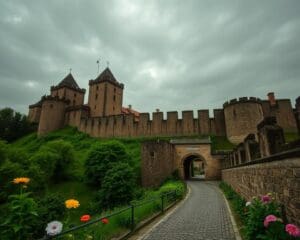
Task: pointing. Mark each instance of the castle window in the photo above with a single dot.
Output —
(114, 97)
(234, 113)
(97, 87)
(114, 90)
(74, 94)
(95, 107)
(73, 102)
(113, 108)
(96, 97)
(152, 154)
(51, 105)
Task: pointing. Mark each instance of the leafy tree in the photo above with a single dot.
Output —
(101, 158)
(3, 151)
(14, 125)
(118, 186)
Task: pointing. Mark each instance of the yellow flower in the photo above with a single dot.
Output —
(72, 203)
(22, 180)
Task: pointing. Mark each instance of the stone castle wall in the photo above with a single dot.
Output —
(52, 115)
(126, 126)
(157, 162)
(279, 174)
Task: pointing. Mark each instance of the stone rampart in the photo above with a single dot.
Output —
(279, 173)
(126, 126)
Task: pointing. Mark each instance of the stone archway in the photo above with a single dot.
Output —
(161, 159)
(193, 165)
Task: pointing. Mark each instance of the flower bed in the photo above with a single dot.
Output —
(260, 218)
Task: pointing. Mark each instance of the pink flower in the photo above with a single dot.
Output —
(293, 230)
(268, 219)
(265, 199)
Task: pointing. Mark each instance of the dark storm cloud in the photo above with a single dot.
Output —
(171, 55)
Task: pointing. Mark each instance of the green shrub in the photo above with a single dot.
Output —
(65, 159)
(8, 171)
(3, 151)
(118, 186)
(46, 161)
(101, 158)
(51, 207)
(256, 214)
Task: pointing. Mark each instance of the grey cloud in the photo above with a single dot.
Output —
(172, 54)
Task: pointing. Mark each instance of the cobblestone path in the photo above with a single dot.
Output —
(203, 215)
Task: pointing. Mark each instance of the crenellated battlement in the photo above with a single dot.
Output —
(126, 125)
(241, 100)
(54, 98)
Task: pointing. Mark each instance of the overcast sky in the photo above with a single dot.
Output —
(170, 54)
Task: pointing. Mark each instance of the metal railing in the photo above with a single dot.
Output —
(163, 202)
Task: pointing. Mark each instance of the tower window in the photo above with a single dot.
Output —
(234, 113)
(114, 97)
(114, 90)
(96, 96)
(74, 94)
(97, 87)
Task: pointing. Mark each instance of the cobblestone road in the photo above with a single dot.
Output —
(203, 215)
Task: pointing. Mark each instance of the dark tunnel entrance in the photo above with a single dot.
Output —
(194, 167)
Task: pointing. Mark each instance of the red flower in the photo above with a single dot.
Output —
(85, 218)
(104, 220)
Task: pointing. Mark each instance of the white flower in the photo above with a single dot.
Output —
(53, 228)
(248, 204)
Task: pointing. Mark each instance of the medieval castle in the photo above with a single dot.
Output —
(104, 116)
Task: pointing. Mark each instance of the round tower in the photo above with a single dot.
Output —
(242, 117)
(52, 114)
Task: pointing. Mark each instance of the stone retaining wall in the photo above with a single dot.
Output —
(279, 176)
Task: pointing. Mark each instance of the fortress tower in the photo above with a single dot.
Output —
(105, 95)
(242, 117)
(68, 89)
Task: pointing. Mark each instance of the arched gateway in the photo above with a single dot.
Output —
(186, 157)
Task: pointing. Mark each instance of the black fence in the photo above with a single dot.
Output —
(129, 217)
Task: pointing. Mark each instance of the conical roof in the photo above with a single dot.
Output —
(106, 75)
(69, 81)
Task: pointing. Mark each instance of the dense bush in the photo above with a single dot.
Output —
(9, 170)
(3, 151)
(14, 125)
(261, 217)
(50, 208)
(118, 186)
(101, 158)
(257, 212)
(46, 160)
(62, 155)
